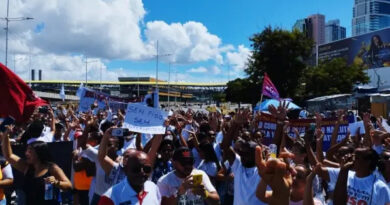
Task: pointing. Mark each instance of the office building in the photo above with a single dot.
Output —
(333, 31)
(370, 15)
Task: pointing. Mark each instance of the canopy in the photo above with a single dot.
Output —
(266, 103)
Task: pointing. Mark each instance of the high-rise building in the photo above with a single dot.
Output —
(333, 31)
(313, 26)
(370, 15)
(300, 25)
(318, 22)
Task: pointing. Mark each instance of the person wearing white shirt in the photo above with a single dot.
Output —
(360, 186)
(384, 167)
(243, 167)
(177, 187)
(135, 188)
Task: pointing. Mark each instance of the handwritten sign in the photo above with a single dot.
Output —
(144, 119)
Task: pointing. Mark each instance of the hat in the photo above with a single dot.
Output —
(182, 154)
(114, 117)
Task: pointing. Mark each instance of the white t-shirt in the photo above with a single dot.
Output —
(209, 167)
(380, 177)
(333, 175)
(170, 183)
(367, 190)
(245, 183)
(123, 193)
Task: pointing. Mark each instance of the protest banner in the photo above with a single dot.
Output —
(144, 119)
(267, 125)
(88, 97)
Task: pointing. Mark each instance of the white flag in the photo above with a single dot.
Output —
(80, 90)
(62, 93)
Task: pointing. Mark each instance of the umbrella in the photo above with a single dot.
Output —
(266, 103)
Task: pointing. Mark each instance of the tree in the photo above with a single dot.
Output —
(333, 77)
(283, 55)
(242, 90)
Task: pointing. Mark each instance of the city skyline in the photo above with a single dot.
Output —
(204, 41)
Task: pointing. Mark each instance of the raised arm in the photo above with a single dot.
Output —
(335, 132)
(13, 159)
(262, 193)
(106, 162)
(308, 195)
(156, 141)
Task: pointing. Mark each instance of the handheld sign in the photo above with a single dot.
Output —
(144, 119)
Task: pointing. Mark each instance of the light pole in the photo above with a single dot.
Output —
(86, 69)
(157, 55)
(7, 20)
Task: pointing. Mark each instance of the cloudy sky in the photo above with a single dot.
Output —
(199, 40)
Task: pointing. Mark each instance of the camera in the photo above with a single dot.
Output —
(120, 132)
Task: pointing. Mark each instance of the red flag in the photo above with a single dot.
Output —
(16, 98)
(269, 88)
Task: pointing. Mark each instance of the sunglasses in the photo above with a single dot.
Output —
(188, 162)
(145, 168)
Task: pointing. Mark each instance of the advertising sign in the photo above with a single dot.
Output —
(372, 50)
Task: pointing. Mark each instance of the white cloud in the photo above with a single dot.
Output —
(105, 30)
(238, 59)
(198, 70)
(215, 69)
(64, 68)
(189, 42)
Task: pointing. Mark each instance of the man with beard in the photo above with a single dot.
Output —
(135, 189)
(177, 187)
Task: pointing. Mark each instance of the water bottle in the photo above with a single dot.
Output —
(273, 150)
(48, 191)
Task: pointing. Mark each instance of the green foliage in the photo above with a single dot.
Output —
(283, 55)
(242, 90)
(333, 77)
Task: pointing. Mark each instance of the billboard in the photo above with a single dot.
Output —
(372, 50)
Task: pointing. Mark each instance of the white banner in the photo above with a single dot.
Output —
(144, 119)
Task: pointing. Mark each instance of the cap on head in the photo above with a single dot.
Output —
(182, 154)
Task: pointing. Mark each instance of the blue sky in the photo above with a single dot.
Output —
(235, 21)
(208, 39)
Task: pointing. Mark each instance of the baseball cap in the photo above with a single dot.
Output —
(183, 155)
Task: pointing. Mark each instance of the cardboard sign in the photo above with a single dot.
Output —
(267, 125)
(353, 127)
(144, 119)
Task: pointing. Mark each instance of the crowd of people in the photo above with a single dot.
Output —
(203, 158)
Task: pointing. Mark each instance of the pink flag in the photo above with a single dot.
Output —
(269, 88)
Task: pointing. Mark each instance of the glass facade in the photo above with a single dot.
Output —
(370, 15)
(333, 31)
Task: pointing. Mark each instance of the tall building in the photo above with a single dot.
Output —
(313, 26)
(370, 15)
(318, 22)
(333, 31)
(300, 25)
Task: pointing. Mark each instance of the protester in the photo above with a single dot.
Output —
(135, 189)
(178, 186)
(38, 170)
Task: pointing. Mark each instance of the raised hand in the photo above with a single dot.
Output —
(277, 173)
(280, 113)
(318, 120)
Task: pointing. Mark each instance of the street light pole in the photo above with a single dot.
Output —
(7, 20)
(6, 34)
